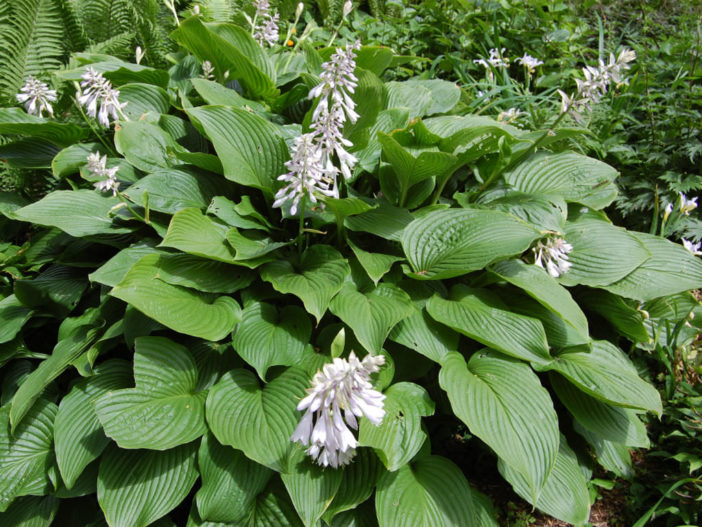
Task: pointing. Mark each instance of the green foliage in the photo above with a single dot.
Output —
(169, 331)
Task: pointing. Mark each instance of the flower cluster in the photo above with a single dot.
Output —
(596, 83)
(97, 90)
(98, 168)
(312, 168)
(553, 256)
(207, 71)
(266, 25)
(37, 97)
(529, 62)
(340, 393)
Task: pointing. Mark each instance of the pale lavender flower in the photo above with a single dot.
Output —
(340, 393)
(694, 248)
(98, 167)
(553, 256)
(338, 82)
(307, 174)
(98, 91)
(266, 28)
(687, 205)
(37, 97)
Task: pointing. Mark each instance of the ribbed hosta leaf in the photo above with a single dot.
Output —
(137, 487)
(78, 434)
(565, 495)
(113, 271)
(170, 190)
(479, 315)
(671, 269)
(431, 491)
(14, 121)
(310, 487)
(315, 281)
(230, 482)
(181, 309)
(195, 233)
(372, 315)
(142, 98)
(13, 315)
(398, 438)
(30, 511)
(614, 457)
(254, 247)
(229, 48)
(538, 284)
(619, 312)
(386, 221)
(267, 337)
(163, 410)
(357, 483)
(419, 331)
(612, 423)
(204, 275)
(117, 71)
(257, 420)
(26, 455)
(77, 212)
(503, 403)
(575, 177)
(146, 146)
(608, 375)
(252, 150)
(375, 264)
(447, 243)
(602, 253)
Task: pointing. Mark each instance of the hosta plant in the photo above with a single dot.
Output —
(257, 298)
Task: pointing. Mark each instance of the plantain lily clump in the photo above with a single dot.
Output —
(269, 285)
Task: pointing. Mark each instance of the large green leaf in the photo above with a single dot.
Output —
(252, 150)
(207, 276)
(545, 212)
(77, 432)
(56, 290)
(31, 511)
(232, 49)
(419, 331)
(257, 420)
(315, 281)
(64, 353)
(146, 146)
(115, 70)
(142, 98)
(372, 315)
(614, 457)
(14, 121)
(607, 374)
(429, 492)
(503, 403)
(447, 243)
(179, 308)
(538, 284)
(612, 423)
(565, 495)
(26, 455)
(479, 314)
(671, 269)
(357, 484)
(399, 436)
(387, 121)
(310, 487)
(602, 253)
(13, 315)
(375, 264)
(77, 212)
(621, 313)
(253, 246)
(385, 220)
(576, 177)
(195, 233)
(230, 482)
(137, 487)
(163, 410)
(170, 190)
(113, 271)
(267, 337)
(215, 94)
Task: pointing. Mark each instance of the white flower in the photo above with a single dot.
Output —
(687, 205)
(266, 28)
(338, 82)
(553, 256)
(509, 116)
(98, 167)
(348, 7)
(207, 70)
(340, 393)
(97, 90)
(694, 248)
(37, 97)
(668, 211)
(529, 62)
(139, 54)
(307, 174)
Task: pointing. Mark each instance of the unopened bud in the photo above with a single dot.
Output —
(299, 10)
(196, 9)
(348, 7)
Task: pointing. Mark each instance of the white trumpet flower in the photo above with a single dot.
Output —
(98, 167)
(98, 91)
(553, 256)
(37, 97)
(340, 393)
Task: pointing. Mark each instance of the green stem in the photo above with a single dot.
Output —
(301, 230)
(96, 132)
